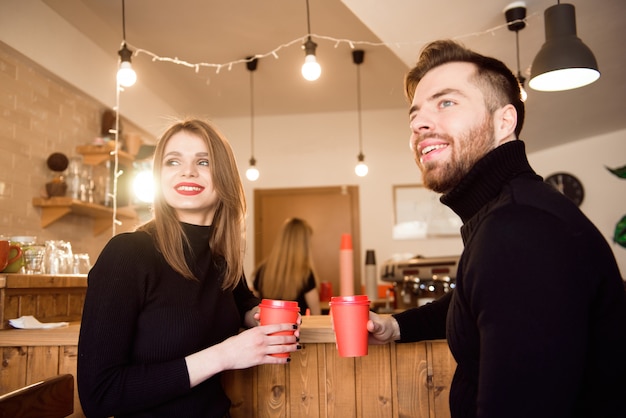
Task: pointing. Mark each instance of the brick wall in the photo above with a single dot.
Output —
(41, 114)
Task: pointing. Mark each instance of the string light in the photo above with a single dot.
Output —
(352, 44)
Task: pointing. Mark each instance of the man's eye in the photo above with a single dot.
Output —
(446, 103)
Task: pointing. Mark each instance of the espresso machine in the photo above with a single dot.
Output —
(420, 280)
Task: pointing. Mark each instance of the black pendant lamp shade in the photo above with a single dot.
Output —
(564, 62)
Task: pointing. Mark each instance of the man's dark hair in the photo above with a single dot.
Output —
(494, 78)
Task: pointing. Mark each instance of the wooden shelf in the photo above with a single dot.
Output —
(55, 208)
(98, 154)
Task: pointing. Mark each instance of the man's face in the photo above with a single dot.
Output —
(451, 128)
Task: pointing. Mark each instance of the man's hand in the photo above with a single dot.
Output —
(383, 329)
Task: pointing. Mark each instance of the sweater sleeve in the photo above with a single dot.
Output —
(427, 322)
(110, 382)
(244, 298)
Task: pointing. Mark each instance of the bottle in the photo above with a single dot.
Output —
(371, 282)
(346, 266)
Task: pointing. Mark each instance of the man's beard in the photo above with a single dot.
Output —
(442, 177)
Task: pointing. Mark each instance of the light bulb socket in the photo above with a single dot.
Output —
(252, 161)
(357, 56)
(251, 63)
(309, 47)
(125, 53)
(361, 157)
(515, 13)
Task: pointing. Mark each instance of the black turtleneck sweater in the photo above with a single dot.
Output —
(537, 322)
(141, 319)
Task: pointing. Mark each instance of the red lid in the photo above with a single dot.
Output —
(346, 242)
(283, 304)
(357, 299)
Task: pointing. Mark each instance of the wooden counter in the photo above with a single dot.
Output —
(394, 380)
(49, 298)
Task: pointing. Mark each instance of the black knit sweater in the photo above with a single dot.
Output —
(537, 322)
(141, 319)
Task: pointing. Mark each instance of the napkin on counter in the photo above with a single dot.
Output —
(30, 322)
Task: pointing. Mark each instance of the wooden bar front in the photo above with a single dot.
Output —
(394, 380)
(49, 298)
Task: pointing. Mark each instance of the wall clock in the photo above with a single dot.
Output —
(569, 185)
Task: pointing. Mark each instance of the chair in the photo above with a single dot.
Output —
(50, 398)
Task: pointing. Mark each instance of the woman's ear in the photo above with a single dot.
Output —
(504, 123)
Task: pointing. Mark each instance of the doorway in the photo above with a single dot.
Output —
(331, 211)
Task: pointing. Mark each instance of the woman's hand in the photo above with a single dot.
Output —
(251, 347)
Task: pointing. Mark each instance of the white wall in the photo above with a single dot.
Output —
(605, 194)
(312, 149)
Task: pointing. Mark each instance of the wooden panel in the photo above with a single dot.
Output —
(340, 391)
(412, 377)
(13, 371)
(241, 392)
(45, 304)
(304, 375)
(272, 390)
(43, 362)
(374, 383)
(68, 358)
(443, 367)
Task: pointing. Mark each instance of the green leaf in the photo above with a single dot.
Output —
(620, 232)
(619, 172)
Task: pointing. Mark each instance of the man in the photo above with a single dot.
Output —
(537, 322)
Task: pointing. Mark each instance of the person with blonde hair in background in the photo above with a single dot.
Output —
(288, 272)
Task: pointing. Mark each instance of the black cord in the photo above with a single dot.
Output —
(358, 102)
(123, 21)
(308, 18)
(251, 115)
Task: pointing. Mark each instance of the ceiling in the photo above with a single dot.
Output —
(217, 36)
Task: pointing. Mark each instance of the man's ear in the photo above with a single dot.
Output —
(504, 123)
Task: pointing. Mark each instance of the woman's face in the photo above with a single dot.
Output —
(186, 181)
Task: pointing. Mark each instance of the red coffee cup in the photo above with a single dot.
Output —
(279, 312)
(350, 315)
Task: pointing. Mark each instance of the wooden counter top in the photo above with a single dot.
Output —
(21, 281)
(314, 329)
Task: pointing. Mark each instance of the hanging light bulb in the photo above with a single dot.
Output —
(515, 13)
(126, 76)
(564, 62)
(361, 168)
(252, 173)
(311, 69)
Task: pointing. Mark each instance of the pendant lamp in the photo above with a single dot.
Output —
(564, 62)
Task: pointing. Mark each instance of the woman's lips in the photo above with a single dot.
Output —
(188, 189)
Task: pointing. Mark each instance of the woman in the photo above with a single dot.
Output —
(288, 272)
(165, 303)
